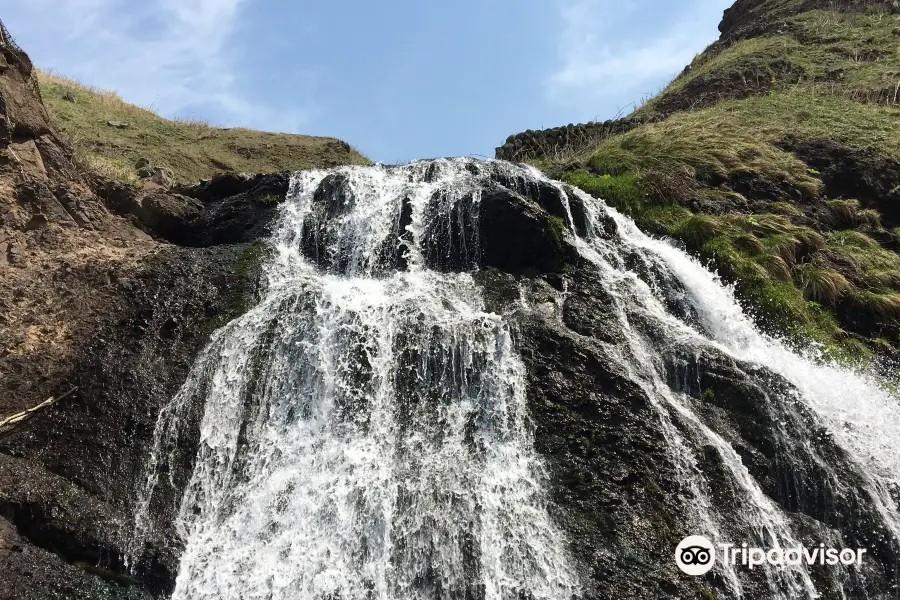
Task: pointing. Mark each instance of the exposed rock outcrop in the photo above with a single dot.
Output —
(568, 138)
(752, 18)
(95, 298)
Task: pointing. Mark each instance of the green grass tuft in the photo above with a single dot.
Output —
(822, 284)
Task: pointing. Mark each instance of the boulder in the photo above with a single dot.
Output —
(163, 178)
(517, 235)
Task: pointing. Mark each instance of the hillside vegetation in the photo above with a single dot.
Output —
(190, 149)
(776, 157)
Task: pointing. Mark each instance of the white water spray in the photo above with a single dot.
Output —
(366, 436)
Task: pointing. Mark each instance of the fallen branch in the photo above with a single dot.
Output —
(25, 414)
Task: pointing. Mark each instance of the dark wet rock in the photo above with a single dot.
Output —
(504, 229)
(235, 220)
(452, 238)
(608, 464)
(231, 184)
(797, 463)
(872, 179)
(518, 236)
(617, 489)
(500, 290)
(168, 215)
(53, 515)
(333, 197)
(546, 194)
(236, 209)
(393, 254)
(94, 443)
(232, 209)
(588, 308)
(581, 219)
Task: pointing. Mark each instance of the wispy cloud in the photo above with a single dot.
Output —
(176, 56)
(609, 48)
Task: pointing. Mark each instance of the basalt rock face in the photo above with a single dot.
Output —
(69, 476)
(98, 308)
(622, 496)
(71, 470)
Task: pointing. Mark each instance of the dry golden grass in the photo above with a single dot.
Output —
(188, 146)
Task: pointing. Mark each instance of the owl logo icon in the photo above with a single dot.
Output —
(695, 555)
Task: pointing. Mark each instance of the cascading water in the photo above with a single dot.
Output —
(365, 432)
(365, 429)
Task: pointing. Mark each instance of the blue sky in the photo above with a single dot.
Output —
(398, 79)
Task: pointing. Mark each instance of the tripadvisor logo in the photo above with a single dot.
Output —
(696, 555)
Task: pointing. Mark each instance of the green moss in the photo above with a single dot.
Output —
(733, 264)
(707, 594)
(556, 228)
(779, 305)
(270, 199)
(239, 292)
(248, 263)
(664, 219)
(623, 191)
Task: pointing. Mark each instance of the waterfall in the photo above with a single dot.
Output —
(365, 430)
(365, 433)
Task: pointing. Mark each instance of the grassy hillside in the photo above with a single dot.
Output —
(850, 54)
(777, 158)
(191, 150)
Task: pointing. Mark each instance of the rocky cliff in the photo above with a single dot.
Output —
(107, 291)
